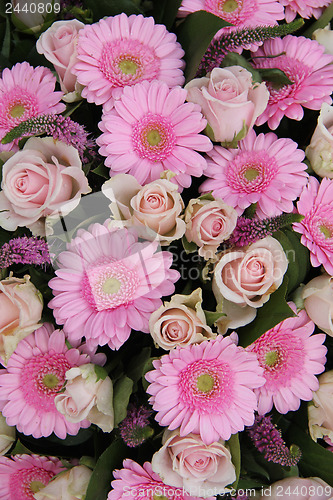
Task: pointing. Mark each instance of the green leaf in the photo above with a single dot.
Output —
(165, 11)
(212, 317)
(276, 76)
(20, 449)
(121, 394)
(5, 51)
(269, 315)
(316, 461)
(104, 8)
(189, 246)
(207, 196)
(234, 59)
(195, 34)
(100, 481)
(136, 367)
(101, 373)
(102, 171)
(234, 447)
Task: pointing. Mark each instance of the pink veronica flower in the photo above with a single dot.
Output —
(26, 92)
(305, 64)
(316, 204)
(34, 375)
(143, 483)
(305, 8)
(240, 13)
(263, 170)
(291, 357)
(120, 51)
(23, 475)
(108, 283)
(151, 130)
(206, 389)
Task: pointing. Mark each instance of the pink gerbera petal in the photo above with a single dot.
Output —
(144, 134)
(26, 92)
(290, 357)
(307, 67)
(23, 475)
(305, 8)
(117, 274)
(34, 375)
(263, 170)
(208, 382)
(316, 204)
(120, 51)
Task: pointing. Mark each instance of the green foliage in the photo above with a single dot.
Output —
(234, 59)
(189, 246)
(212, 317)
(276, 76)
(234, 447)
(165, 11)
(121, 394)
(104, 8)
(101, 373)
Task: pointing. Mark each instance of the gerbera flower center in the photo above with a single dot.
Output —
(126, 62)
(153, 137)
(25, 482)
(17, 111)
(50, 380)
(319, 224)
(271, 358)
(234, 11)
(16, 106)
(35, 486)
(109, 285)
(229, 5)
(128, 66)
(326, 231)
(251, 171)
(206, 384)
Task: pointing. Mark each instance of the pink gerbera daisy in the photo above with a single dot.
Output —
(316, 204)
(290, 357)
(108, 283)
(152, 129)
(305, 8)
(21, 476)
(206, 389)
(26, 92)
(143, 483)
(305, 64)
(263, 170)
(240, 13)
(120, 51)
(34, 375)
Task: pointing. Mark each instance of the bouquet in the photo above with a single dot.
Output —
(166, 249)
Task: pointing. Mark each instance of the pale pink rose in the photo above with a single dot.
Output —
(244, 279)
(208, 223)
(180, 322)
(324, 36)
(320, 149)
(32, 14)
(87, 398)
(318, 302)
(43, 178)
(186, 462)
(71, 484)
(21, 306)
(293, 488)
(153, 209)
(229, 100)
(58, 45)
(320, 410)
(7, 435)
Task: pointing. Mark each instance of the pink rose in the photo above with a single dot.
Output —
(21, 306)
(208, 223)
(39, 180)
(229, 100)
(71, 484)
(318, 302)
(186, 462)
(87, 398)
(320, 149)
(245, 277)
(153, 209)
(180, 322)
(320, 410)
(293, 488)
(58, 45)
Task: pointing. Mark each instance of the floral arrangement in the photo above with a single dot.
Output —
(166, 249)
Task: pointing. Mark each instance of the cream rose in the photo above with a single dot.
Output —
(320, 410)
(318, 302)
(87, 398)
(208, 223)
(325, 37)
(293, 488)
(320, 149)
(180, 322)
(43, 178)
(244, 278)
(229, 100)
(68, 485)
(21, 306)
(153, 209)
(7, 435)
(58, 45)
(186, 462)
